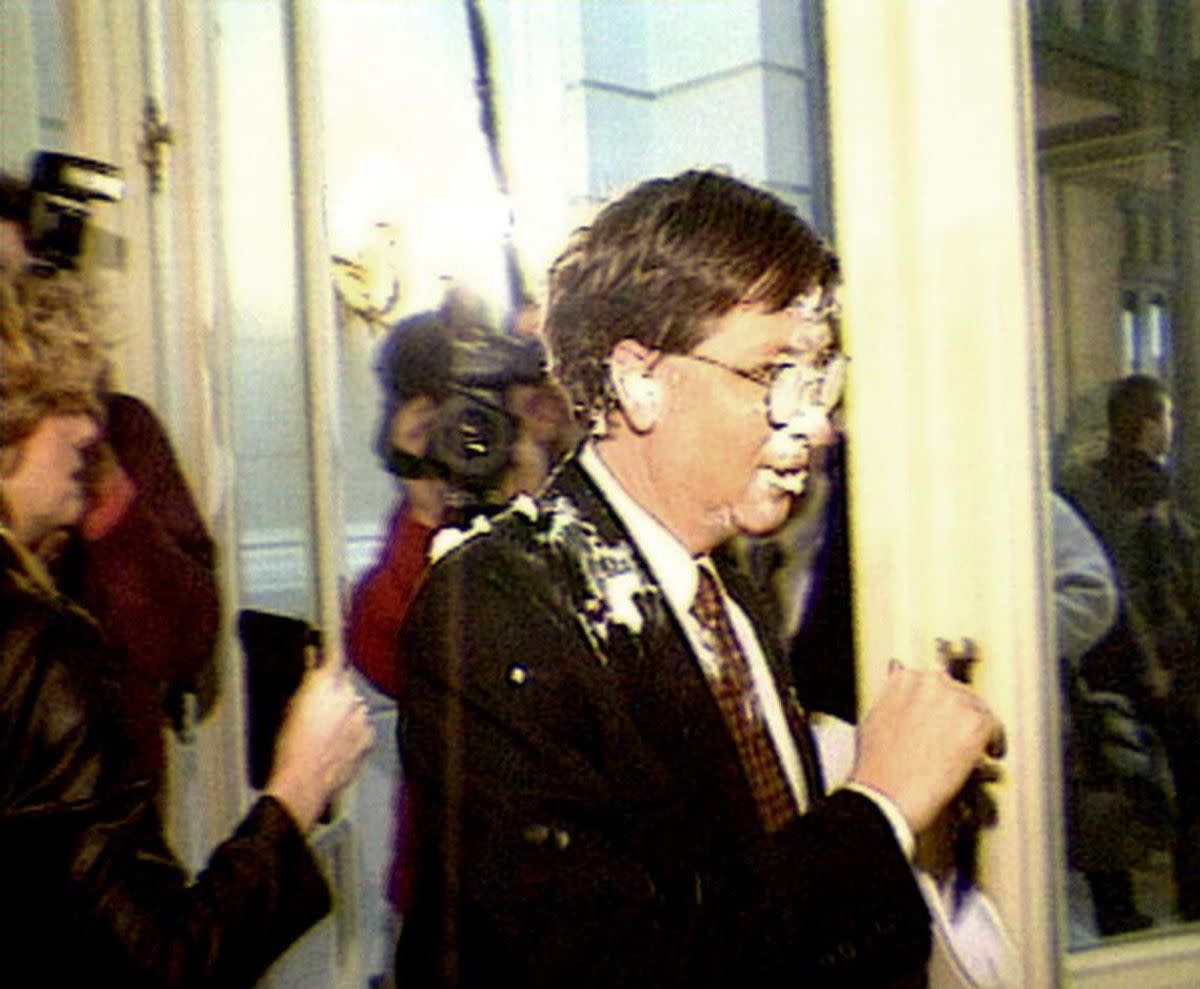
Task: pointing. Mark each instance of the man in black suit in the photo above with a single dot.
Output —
(614, 782)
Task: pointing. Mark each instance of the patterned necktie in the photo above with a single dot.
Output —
(733, 688)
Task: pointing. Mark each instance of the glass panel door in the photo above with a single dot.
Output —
(268, 388)
(1117, 152)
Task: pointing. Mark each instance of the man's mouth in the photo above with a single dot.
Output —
(790, 481)
(788, 474)
(786, 465)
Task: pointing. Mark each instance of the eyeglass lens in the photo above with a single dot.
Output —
(797, 388)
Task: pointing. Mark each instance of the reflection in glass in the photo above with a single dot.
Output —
(1118, 154)
(1129, 334)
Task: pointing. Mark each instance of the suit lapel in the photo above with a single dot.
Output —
(658, 662)
(660, 678)
(661, 683)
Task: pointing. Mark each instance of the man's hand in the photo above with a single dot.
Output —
(427, 499)
(921, 740)
(529, 463)
(324, 737)
(50, 548)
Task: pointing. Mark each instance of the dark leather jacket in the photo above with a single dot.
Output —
(93, 893)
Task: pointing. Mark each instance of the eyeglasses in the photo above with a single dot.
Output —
(791, 388)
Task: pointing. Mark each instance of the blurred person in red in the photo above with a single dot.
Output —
(469, 420)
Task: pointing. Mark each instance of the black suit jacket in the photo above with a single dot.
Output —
(582, 818)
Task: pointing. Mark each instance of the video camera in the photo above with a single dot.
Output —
(55, 208)
(474, 431)
(469, 372)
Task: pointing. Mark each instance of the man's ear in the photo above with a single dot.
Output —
(640, 395)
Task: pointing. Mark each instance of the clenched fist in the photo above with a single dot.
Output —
(921, 740)
(324, 738)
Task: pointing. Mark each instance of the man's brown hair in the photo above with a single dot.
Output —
(1133, 400)
(660, 263)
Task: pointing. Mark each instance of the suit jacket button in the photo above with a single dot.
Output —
(517, 675)
(536, 834)
(561, 840)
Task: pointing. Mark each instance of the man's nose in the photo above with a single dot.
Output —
(812, 423)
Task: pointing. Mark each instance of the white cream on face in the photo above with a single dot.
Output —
(710, 464)
(787, 454)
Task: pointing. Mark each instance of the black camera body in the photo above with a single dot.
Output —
(474, 432)
(61, 189)
(469, 372)
(472, 438)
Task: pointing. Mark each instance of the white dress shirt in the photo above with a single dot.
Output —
(973, 943)
(674, 568)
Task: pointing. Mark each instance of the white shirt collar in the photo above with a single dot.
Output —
(672, 565)
(676, 572)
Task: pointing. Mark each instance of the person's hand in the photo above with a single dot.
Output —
(529, 463)
(427, 499)
(50, 548)
(324, 737)
(14, 255)
(410, 432)
(921, 740)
